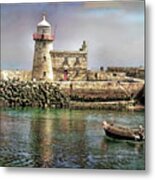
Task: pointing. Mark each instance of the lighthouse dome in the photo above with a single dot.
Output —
(44, 23)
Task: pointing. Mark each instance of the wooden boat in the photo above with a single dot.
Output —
(122, 132)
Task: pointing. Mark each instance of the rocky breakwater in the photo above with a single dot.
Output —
(15, 93)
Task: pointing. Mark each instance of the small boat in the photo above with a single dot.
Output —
(122, 132)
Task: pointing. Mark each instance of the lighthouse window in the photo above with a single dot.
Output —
(44, 74)
(96, 75)
(43, 31)
(44, 57)
(77, 72)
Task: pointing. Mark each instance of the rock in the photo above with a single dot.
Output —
(27, 93)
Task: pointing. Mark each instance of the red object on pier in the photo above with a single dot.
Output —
(37, 36)
(65, 75)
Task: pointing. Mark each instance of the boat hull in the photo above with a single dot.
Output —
(122, 132)
(116, 136)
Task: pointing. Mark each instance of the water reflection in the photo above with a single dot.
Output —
(69, 147)
(67, 139)
(41, 141)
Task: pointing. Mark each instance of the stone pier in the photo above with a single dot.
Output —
(70, 94)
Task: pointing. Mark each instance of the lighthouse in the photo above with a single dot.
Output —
(42, 65)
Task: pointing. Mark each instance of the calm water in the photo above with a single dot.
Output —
(67, 139)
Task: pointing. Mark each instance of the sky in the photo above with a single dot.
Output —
(113, 30)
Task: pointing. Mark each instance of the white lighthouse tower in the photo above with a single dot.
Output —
(42, 65)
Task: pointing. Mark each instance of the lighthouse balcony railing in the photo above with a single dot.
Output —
(37, 36)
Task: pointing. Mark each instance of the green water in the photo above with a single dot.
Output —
(67, 139)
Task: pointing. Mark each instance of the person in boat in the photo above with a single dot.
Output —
(141, 132)
(105, 124)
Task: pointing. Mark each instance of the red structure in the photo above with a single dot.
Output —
(65, 75)
(47, 37)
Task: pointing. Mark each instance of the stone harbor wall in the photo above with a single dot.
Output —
(69, 94)
(105, 76)
(129, 71)
(16, 74)
(76, 70)
(110, 105)
(101, 90)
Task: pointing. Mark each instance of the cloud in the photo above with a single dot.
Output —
(126, 5)
(114, 31)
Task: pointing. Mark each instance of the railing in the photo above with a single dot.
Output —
(37, 36)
